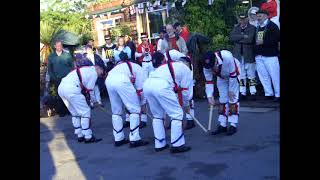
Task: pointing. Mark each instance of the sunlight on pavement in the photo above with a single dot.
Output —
(64, 159)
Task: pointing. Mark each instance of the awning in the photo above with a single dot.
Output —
(106, 10)
(125, 4)
(67, 38)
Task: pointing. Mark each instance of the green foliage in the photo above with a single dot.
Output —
(71, 21)
(85, 38)
(214, 21)
(120, 30)
(241, 8)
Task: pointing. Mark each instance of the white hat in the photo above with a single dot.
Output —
(253, 10)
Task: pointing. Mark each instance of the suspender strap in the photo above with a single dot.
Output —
(133, 79)
(176, 87)
(209, 82)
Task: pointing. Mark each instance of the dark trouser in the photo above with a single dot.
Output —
(102, 87)
(61, 109)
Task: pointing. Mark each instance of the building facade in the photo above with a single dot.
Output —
(140, 15)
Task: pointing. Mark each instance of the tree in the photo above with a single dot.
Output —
(47, 32)
(215, 22)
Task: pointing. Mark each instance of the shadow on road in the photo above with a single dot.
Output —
(47, 167)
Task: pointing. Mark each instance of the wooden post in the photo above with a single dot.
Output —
(148, 25)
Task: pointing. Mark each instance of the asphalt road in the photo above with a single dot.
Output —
(253, 153)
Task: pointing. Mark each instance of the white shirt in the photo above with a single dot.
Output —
(122, 72)
(91, 58)
(162, 46)
(264, 23)
(182, 76)
(89, 77)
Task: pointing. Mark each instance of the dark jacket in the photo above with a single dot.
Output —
(243, 46)
(133, 50)
(271, 39)
(59, 66)
(99, 62)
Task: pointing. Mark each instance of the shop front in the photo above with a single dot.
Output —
(140, 16)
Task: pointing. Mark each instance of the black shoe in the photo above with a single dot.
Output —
(231, 130)
(276, 99)
(62, 114)
(190, 125)
(126, 124)
(270, 98)
(120, 143)
(252, 97)
(219, 130)
(161, 149)
(242, 97)
(138, 143)
(142, 124)
(80, 139)
(92, 140)
(180, 149)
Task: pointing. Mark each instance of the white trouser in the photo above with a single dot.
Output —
(79, 109)
(123, 93)
(147, 68)
(162, 99)
(188, 117)
(268, 69)
(248, 70)
(144, 117)
(97, 97)
(225, 103)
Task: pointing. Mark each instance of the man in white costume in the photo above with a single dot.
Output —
(124, 85)
(159, 89)
(227, 70)
(75, 90)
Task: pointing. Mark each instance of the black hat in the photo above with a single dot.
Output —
(261, 11)
(208, 60)
(144, 35)
(107, 37)
(157, 59)
(242, 16)
(175, 25)
(121, 36)
(163, 31)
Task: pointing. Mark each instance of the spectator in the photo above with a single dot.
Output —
(59, 65)
(121, 47)
(132, 46)
(271, 7)
(175, 42)
(91, 43)
(107, 50)
(182, 31)
(162, 44)
(243, 36)
(144, 53)
(99, 87)
(266, 49)
(252, 13)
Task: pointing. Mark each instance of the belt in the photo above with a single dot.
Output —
(146, 61)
